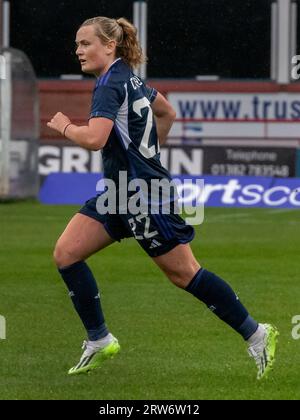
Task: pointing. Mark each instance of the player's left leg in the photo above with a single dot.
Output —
(83, 237)
(181, 267)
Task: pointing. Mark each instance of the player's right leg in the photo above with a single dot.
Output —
(180, 266)
(83, 237)
(166, 239)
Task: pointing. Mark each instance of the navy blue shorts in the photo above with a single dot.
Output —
(156, 233)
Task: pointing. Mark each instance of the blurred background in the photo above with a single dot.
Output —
(227, 38)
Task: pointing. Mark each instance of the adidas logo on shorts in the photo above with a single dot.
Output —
(154, 244)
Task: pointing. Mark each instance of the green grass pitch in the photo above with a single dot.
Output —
(172, 346)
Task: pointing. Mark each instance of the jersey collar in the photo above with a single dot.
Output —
(112, 64)
(104, 77)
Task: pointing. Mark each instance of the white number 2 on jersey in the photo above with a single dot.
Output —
(145, 150)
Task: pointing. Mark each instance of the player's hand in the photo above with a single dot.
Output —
(59, 122)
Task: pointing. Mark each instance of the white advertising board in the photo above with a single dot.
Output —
(233, 115)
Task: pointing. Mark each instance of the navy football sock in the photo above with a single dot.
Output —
(221, 299)
(86, 299)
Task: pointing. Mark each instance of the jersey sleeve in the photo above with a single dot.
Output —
(152, 93)
(107, 100)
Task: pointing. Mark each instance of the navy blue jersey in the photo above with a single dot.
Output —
(133, 147)
(133, 143)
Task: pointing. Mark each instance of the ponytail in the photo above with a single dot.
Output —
(129, 48)
(125, 35)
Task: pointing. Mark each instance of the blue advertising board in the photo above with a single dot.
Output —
(218, 191)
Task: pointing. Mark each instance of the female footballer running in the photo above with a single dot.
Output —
(128, 121)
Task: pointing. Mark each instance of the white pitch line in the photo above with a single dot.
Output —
(228, 216)
(280, 211)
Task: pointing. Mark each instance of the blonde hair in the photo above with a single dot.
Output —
(125, 35)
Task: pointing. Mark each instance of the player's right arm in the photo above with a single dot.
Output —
(164, 115)
(92, 136)
(106, 102)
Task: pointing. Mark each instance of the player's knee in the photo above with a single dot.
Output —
(182, 278)
(62, 256)
(58, 255)
(176, 277)
(178, 281)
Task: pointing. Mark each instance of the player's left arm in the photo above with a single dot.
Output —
(92, 136)
(164, 115)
